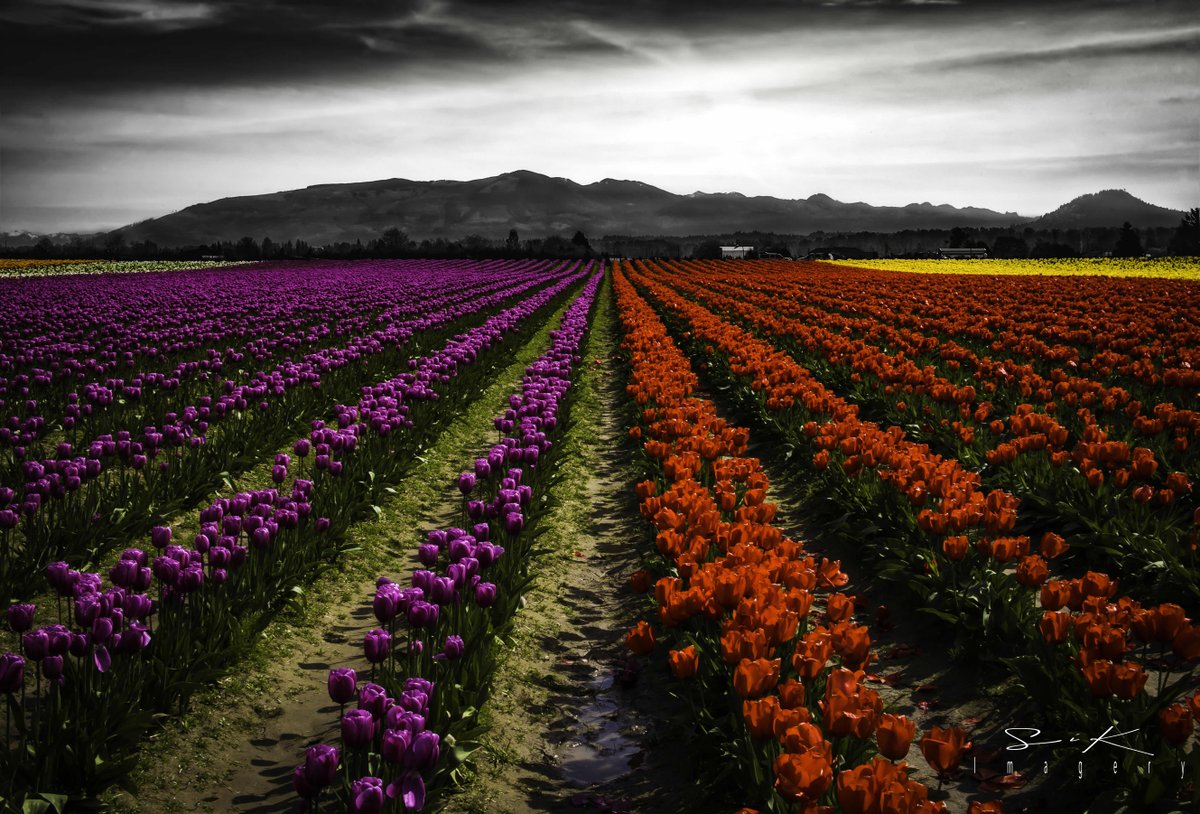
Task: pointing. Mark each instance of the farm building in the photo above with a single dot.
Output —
(736, 252)
(956, 254)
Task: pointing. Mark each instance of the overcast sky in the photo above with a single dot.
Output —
(112, 111)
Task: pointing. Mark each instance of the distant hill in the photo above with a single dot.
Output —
(1111, 207)
(535, 205)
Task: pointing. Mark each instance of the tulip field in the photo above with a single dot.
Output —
(1000, 463)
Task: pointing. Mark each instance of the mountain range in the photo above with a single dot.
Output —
(538, 205)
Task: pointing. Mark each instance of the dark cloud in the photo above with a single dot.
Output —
(99, 46)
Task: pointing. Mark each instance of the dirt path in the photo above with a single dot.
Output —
(235, 751)
(574, 726)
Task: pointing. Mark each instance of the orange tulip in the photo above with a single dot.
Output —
(1160, 623)
(1053, 545)
(1128, 679)
(1186, 643)
(943, 749)
(1098, 674)
(802, 777)
(1055, 594)
(759, 715)
(1032, 571)
(685, 662)
(1176, 723)
(895, 735)
(1095, 583)
(990, 807)
(1054, 626)
(803, 737)
(640, 638)
(853, 644)
(839, 607)
(753, 678)
(791, 694)
(641, 581)
(955, 548)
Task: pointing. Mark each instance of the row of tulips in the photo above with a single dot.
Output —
(964, 385)
(431, 661)
(1091, 675)
(170, 623)
(775, 674)
(1060, 474)
(1111, 327)
(173, 341)
(72, 506)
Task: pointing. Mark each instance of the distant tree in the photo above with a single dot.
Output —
(1186, 240)
(43, 248)
(1128, 242)
(580, 242)
(247, 249)
(1009, 247)
(1044, 249)
(707, 250)
(113, 244)
(513, 244)
(269, 248)
(394, 241)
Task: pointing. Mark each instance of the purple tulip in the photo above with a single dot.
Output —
(279, 473)
(102, 659)
(483, 469)
(302, 447)
(321, 765)
(485, 594)
(395, 745)
(453, 648)
(36, 644)
(377, 644)
(260, 538)
(444, 590)
(124, 573)
(12, 673)
(466, 482)
(343, 685)
(437, 537)
(20, 617)
(412, 791)
(160, 536)
(367, 796)
(420, 685)
(427, 553)
(422, 614)
(301, 784)
(102, 630)
(424, 752)
(191, 578)
(423, 579)
(375, 700)
(386, 603)
(513, 523)
(358, 728)
(403, 716)
(52, 666)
